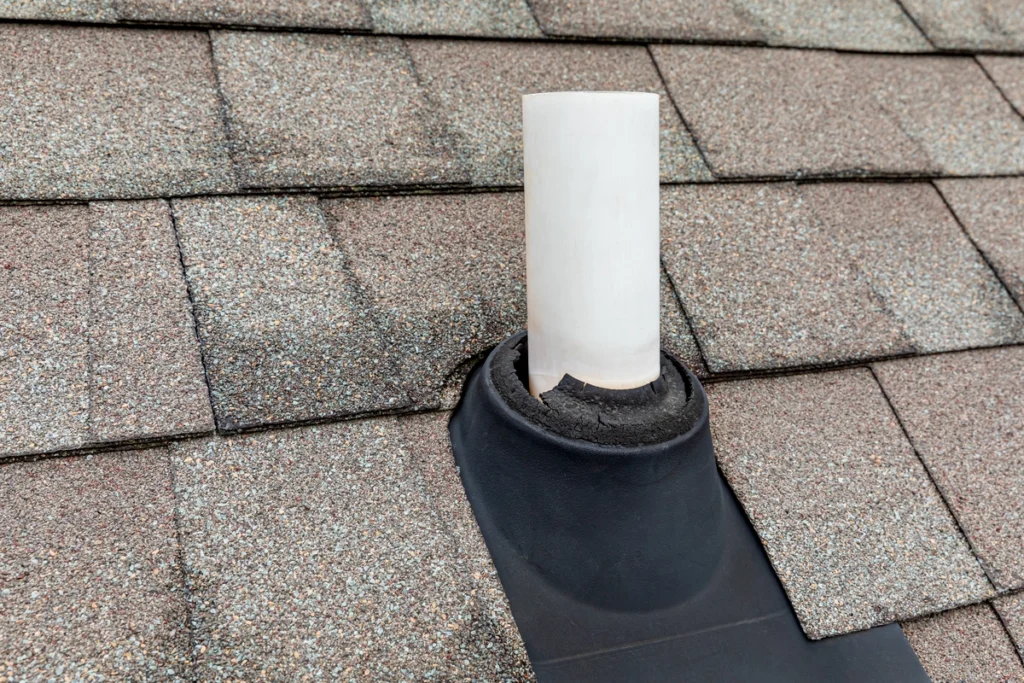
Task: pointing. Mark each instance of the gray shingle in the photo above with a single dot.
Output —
(715, 20)
(970, 24)
(326, 110)
(44, 309)
(779, 275)
(765, 283)
(97, 337)
(872, 25)
(98, 113)
(339, 558)
(147, 374)
(967, 644)
(847, 514)
(312, 13)
(445, 274)
(1008, 73)
(59, 10)
(949, 107)
(757, 112)
(1011, 611)
(919, 264)
(447, 279)
(798, 113)
(454, 17)
(963, 413)
(479, 86)
(992, 212)
(90, 587)
(283, 334)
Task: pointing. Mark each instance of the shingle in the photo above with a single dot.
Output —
(967, 644)
(715, 20)
(1008, 73)
(499, 18)
(284, 336)
(676, 337)
(918, 263)
(871, 25)
(90, 587)
(949, 107)
(337, 559)
(963, 414)
(479, 86)
(96, 337)
(44, 318)
(970, 24)
(765, 283)
(147, 373)
(309, 13)
(328, 110)
(446, 277)
(992, 212)
(758, 112)
(1011, 611)
(59, 10)
(847, 514)
(97, 113)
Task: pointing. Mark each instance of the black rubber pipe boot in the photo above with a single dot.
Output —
(624, 555)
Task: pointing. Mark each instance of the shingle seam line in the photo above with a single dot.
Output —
(679, 112)
(932, 479)
(192, 311)
(998, 87)
(980, 251)
(193, 643)
(545, 38)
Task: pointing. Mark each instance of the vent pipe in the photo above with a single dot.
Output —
(592, 243)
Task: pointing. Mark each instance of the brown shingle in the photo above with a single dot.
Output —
(850, 520)
(100, 344)
(60, 10)
(963, 414)
(918, 263)
(970, 24)
(283, 334)
(96, 113)
(312, 13)
(454, 17)
(967, 644)
(758, 112)
(848, 24)
(949, 107)
(714, 20)
(1011, 611)
(325, 110)
(338, 558)
(44, 306)
(992, 212)
(147, 374)
(479, 87)
(447, 279)
(91, 587)
(445, 274)
(765, 283)
(1008, 73)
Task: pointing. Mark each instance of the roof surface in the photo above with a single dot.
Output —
(249, 251)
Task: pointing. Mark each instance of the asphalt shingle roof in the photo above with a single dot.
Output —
(967, 644)
(882, 546)
(154, 290)
(99, 342)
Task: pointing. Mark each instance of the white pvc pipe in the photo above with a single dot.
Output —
(592, 261)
